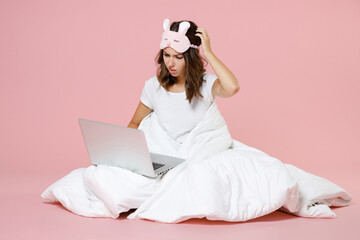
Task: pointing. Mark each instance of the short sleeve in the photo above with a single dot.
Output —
(147, 95)
(210, 79)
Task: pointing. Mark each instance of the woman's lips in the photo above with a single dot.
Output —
(172, 71)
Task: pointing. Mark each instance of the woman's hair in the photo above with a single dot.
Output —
(194, 69)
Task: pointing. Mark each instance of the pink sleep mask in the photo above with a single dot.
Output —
(176, 40)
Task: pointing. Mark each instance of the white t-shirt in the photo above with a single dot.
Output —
(176, 115)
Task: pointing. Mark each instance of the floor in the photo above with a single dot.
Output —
(25, 216)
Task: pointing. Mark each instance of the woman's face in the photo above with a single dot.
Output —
(174, 62)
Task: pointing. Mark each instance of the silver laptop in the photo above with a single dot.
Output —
(114, 145)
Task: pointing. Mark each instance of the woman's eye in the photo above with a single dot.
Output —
(165, 55)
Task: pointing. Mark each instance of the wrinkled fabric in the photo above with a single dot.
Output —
(221, 179)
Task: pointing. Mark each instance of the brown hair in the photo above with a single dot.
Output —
(194, 65)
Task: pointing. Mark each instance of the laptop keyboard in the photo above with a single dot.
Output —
(157, 165)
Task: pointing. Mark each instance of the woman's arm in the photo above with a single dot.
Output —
(226, 85)
(141, 112)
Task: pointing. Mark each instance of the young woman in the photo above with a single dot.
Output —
(181, 91)
(221, 179)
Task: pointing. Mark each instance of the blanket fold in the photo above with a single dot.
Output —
(222, 179)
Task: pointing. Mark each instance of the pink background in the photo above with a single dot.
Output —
(297, 62)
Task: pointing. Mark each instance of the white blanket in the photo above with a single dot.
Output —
(222, 179)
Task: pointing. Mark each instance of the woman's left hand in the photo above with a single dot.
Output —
(205, 40)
